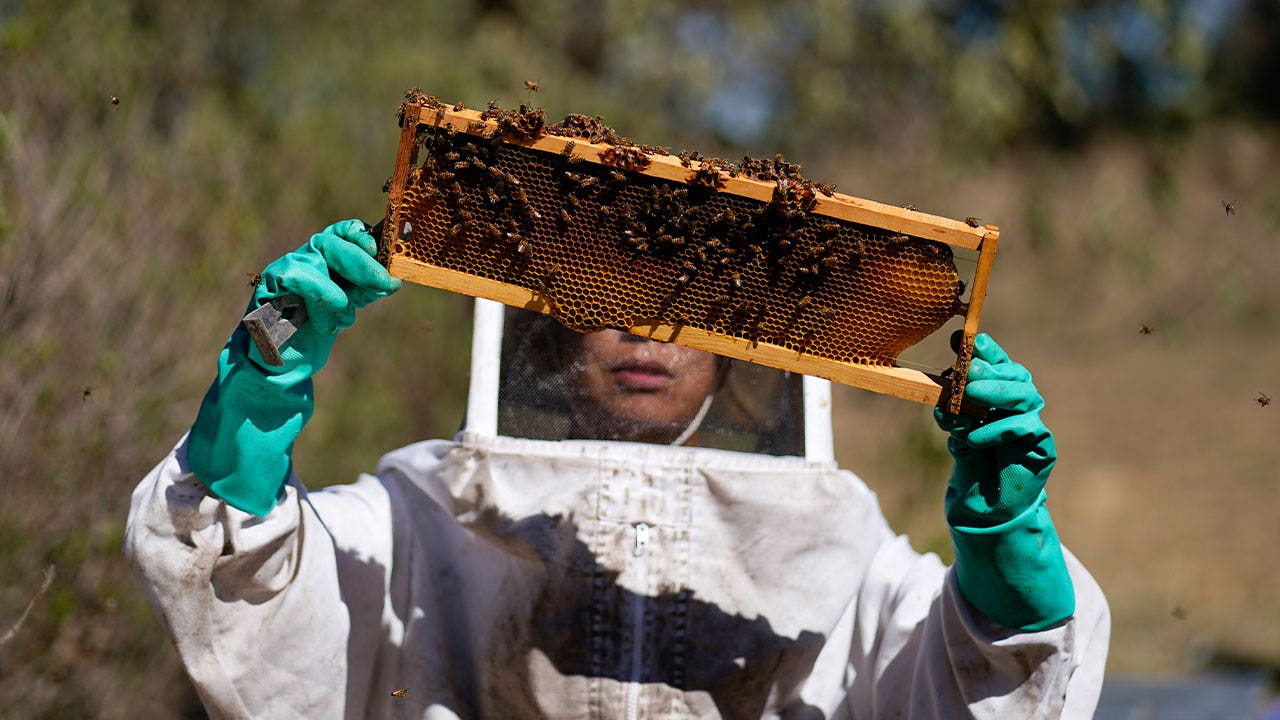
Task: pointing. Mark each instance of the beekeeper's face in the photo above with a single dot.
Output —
(629, 388)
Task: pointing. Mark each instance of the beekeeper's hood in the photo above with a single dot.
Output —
(532, 378)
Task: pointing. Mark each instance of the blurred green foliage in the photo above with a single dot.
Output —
(128, 230)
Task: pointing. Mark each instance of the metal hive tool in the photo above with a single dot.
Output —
(749, 261)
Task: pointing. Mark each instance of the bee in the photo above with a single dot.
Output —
(521, 244)
(459, 106)
(532, 86)
(87, 393)
(1229, 207)
(804, 302)
(115, 101)
(972, 221)
(568, 149)
(452, 156)
(545, 283)
(1146, 329)
(400, 693)
(736, 278)
(827, 189)
(908, 207)
(1263, 399)
(616, 176)
(565, 217)
(494, 199)
(427, 325)
(255, 279)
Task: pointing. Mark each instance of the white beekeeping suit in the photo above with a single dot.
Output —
(498, 576)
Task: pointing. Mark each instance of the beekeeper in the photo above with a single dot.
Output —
(624, 528)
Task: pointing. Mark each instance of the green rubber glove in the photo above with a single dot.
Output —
(1009, 561)
(242, 439)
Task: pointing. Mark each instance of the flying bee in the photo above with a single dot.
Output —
(1229, 207)
(87, 393)
(254, 279)
(1263, 399)
(115, 101)
(1146, 329)
(400, 693)
(532, 86)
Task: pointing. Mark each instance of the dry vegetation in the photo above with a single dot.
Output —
(127, 233)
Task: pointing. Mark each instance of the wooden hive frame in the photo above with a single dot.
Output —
(902, 382)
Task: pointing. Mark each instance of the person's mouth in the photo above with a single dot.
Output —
(641, 375)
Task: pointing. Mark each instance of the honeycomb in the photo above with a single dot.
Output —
(608, 247)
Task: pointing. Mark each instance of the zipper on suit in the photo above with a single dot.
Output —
(637, 619)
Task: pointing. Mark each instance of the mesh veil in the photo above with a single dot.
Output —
(557, 384)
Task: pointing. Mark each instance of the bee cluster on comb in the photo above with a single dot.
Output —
(749, 259)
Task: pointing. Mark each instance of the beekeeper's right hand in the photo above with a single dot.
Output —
(241, 442)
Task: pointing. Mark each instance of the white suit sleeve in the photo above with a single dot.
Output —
(921, 651)
(253, 605)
